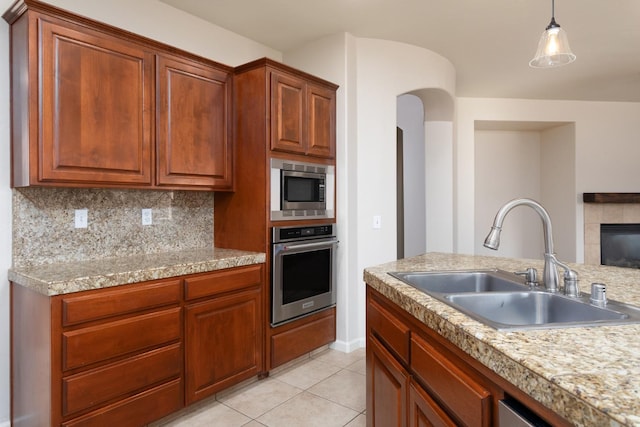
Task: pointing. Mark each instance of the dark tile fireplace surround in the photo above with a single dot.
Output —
(612, 229)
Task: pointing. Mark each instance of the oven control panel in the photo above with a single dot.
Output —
(283, 234)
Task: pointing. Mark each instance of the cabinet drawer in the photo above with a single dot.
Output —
(222, 281)
(121, 300)
(97, 343)
(465, 397)
(137, 410)
(87, 389)
(389, 329)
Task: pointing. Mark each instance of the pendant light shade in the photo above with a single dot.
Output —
(553, 47)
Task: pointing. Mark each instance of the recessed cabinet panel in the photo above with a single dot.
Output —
(287, 114)
(387, 383)
(92, 129)
(193, 133)
(322, 111)
(223, 343)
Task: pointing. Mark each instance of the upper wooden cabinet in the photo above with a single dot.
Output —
(194, 143)
(302, 116)
(300, 110)
(92, 130)
(95, 106)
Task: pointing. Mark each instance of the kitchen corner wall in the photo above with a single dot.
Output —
(44, 232)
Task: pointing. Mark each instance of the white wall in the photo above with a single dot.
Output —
(507, 166)
(558, 179)
(5, 220)
(439, 185)
(149, 18)
(164, 23)
(606, 151)
(385, 70)
(410, 118)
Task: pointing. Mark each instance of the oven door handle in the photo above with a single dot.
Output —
(309, 245)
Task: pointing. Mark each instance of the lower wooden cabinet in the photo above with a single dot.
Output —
(131, 354)
(417, 378)
(387, 386)
(223, 339)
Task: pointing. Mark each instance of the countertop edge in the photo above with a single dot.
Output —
(58, 279)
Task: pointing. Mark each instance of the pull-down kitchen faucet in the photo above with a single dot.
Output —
(550, 273)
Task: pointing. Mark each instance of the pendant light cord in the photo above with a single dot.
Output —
(553, 23)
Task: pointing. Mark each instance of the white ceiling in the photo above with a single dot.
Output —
(490, 42)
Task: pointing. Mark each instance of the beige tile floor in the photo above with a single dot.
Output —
(326, 389)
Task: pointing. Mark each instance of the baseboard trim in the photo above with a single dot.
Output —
(348, 346)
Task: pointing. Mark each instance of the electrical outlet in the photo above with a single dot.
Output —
(147, 216)
(377, 222)
(81, 218)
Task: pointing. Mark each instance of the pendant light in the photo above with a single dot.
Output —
(553, 48)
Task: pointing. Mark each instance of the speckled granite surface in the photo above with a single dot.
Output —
(44, 233)
(590, 376)
(62, 278)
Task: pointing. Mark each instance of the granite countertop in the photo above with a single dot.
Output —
(588, 375)
(63, 278)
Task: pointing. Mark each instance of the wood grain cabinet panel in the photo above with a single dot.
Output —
(389, 330)
(119, 301)
(96, 106)
(424, 411)
(322, 121)
(194, 136)
(387, 387)
(288, 121)
(98, 386)
(223, 342)
(302, 116)
(93, 344)
(92, 129)
(135, 411)
(469, 400)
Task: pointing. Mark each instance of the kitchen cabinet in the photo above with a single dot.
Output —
(302, 116)
(95, 106)
(224, 333)
(131, 354)
(267, 125)
(194, 136)
(415, 377)
(95, 357)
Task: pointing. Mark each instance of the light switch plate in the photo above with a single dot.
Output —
(377, 222)
(81, 219)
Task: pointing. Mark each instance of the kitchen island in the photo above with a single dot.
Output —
(589, 376)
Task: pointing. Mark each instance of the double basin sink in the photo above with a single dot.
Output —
(501, 300)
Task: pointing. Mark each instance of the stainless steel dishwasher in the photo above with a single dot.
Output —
(512, 413)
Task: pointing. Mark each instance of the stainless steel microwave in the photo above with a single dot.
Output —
(301, 190)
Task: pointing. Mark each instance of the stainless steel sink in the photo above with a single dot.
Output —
(504, 310)
(462, 281)
(501, 300)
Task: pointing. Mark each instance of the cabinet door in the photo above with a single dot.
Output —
(223, 342)
(288, 114)
(424, 411)
(322, 121)
(387, 385)
(194, 143)
(96, 102)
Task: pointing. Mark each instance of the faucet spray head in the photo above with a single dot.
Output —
(492, 241)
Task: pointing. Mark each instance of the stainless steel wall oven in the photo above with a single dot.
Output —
(303, 271)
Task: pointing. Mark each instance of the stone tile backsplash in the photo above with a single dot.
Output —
(44, 232)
